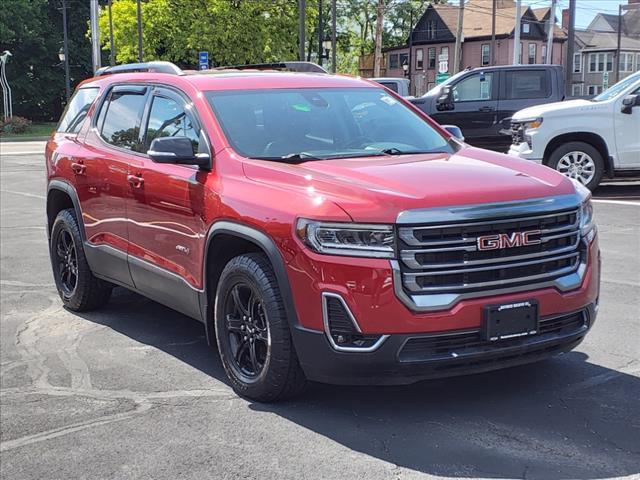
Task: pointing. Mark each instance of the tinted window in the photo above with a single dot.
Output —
(168, 118)
(526, 84)
(475, 87)
(119, 120)
(76, 110)
(321, 123)
(390, 85)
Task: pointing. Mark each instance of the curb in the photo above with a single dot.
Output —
(23, 139)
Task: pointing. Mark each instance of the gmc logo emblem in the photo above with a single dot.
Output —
(508, 240)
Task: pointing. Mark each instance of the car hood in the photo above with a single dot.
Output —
(548, 109)
(377, 189)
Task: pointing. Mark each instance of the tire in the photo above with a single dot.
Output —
(257, 330)
(78, 288)
(570, 154)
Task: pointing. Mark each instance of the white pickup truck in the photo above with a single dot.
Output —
(584, 139)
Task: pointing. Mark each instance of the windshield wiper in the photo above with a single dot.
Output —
(397, 151)
(291, 158)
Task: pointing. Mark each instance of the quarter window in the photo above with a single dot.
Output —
(473, 88)
(168, 118)
(526, 84)
(119, 119)
(76, 111)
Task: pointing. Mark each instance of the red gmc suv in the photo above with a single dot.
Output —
(321, 227)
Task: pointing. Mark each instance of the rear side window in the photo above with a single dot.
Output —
(120, 117)
(390, 85)
(76, 111)
(527, 84)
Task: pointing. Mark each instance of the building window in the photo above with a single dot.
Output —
(520, 54)
(431, 52)
(600, 62)
(543, 54)
(486, 54)
(577, 63)
(637, 61)
(525, 27)
(419, 59)
(576, 90)
(594, 89)
(532, 53)
(431, 29)
(393, 61)
(626, 62)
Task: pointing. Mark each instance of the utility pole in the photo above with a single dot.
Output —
(377, 53)
(95, 35)
(516, 35)
(320, 30)
(302, 6)
(139, 7)
(457, 56)
(617, 59)
(552, 23)
(65, 49)
(333, 36)
(571, 35)
(112, 49)
(493, 32)
(410, 66)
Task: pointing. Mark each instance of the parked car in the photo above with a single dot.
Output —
(584, 139)
(319, 226)
(481, 101)
(398, 85)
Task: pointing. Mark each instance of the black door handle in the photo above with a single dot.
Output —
(486, 109)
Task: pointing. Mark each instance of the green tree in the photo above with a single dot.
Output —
(32, 31)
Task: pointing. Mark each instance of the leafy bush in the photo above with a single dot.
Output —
(15, 125)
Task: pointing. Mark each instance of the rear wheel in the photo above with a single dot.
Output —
(252, 332)
(580, 161)
(78, 288)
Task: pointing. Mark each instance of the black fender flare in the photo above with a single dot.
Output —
(268, 246)
(69, 189)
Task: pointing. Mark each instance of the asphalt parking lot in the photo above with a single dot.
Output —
(133, 391)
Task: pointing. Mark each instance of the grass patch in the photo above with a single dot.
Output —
(43, 129)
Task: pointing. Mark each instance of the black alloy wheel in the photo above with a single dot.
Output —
(248, 331)
(66, 259)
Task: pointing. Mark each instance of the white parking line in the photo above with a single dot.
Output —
(617, 202)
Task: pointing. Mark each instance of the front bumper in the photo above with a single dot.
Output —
(524, 151)
(409, 358)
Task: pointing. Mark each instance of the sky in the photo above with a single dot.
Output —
(585, 9)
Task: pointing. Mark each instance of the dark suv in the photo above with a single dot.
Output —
(319, 226)
(481, 101)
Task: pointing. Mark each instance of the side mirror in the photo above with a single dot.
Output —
(445, 99)
(455, 131)
(178, 150)
(629, 102)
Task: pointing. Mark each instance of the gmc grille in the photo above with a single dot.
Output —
(445, 258)
(517, 133)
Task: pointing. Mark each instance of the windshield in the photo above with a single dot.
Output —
(616, 89)
(320, 123)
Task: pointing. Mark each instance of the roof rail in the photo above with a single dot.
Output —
(305, 67)
(157, 67)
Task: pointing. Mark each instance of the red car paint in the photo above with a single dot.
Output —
(177, 205)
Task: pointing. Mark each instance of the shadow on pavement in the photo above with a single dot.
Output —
(558, 419)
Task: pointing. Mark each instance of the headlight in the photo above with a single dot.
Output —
(530, 124)
(586, 219)
(352, 239)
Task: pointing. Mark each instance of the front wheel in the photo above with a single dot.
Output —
(252, 332)
(580, 161)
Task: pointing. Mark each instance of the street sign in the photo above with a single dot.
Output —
(605, 80)
(441, 77)
(203, 60)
